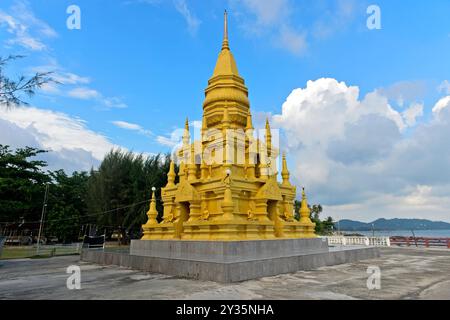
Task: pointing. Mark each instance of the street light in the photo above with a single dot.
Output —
(44, 208)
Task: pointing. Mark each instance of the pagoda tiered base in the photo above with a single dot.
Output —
(228, 230)
(230, 261)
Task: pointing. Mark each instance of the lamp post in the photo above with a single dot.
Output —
(44, 208)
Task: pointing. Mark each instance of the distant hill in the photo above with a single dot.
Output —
(393, 224)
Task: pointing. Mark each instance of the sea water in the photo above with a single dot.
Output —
(404, 233)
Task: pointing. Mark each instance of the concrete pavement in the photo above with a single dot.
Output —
(405, 274)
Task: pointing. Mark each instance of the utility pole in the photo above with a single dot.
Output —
(339, 227)
(44, 208)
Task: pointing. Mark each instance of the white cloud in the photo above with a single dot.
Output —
(293, 25)
(192, 21)
(84, 93)
(444, 87)
(132, 126)
(60, 75)
(404, 91)
(353, 155)
(333, 17)
(441, 105)
(70, 78)
(174, 140)
(50, 88)
(293, 41)
(73, 146)
(168, 142)
(268, 12)
(411, 114)
(270, 19)
(71, 82)
(410, 205)
(113, 102)
(26, 29)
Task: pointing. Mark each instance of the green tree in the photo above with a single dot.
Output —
(11, 90)
(328, 225)
(121, 187)
(322, 227)
(316, 210)
(297, 205)
(22, 184)
(67, 207)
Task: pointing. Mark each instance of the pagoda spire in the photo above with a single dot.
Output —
(249, 125)
(268, 138)
(268, 133)
(186, 124)
(226, 87)
(285, 172)
(186, 135)
(305, 212)
(152, 213)
(171, 175)
(225, 44)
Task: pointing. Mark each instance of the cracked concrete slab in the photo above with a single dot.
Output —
(405, 274)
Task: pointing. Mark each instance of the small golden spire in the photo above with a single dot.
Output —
(268, 138)
(186, 134)
(305, 212)
(192, 168)
(227, 203)
(152, 212)
(267, 125)
(182, 171)
(225, 45)
(285, 171)
(249, 125)
(171, 175)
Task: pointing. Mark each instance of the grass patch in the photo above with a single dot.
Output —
(30, 252)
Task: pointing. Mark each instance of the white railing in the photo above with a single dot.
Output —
(358, 241)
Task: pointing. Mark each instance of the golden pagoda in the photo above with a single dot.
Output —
(228, 188)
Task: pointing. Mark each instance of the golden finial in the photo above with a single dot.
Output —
(268, 138)
(267, 124)
(225, 32)
(186, 135)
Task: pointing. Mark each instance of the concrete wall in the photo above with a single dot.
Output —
(226, 251)
(234, 271)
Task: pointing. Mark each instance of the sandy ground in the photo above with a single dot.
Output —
(405, 274)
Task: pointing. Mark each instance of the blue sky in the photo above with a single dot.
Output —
(137, 68)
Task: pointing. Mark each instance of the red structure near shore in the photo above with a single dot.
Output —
(420, 242)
